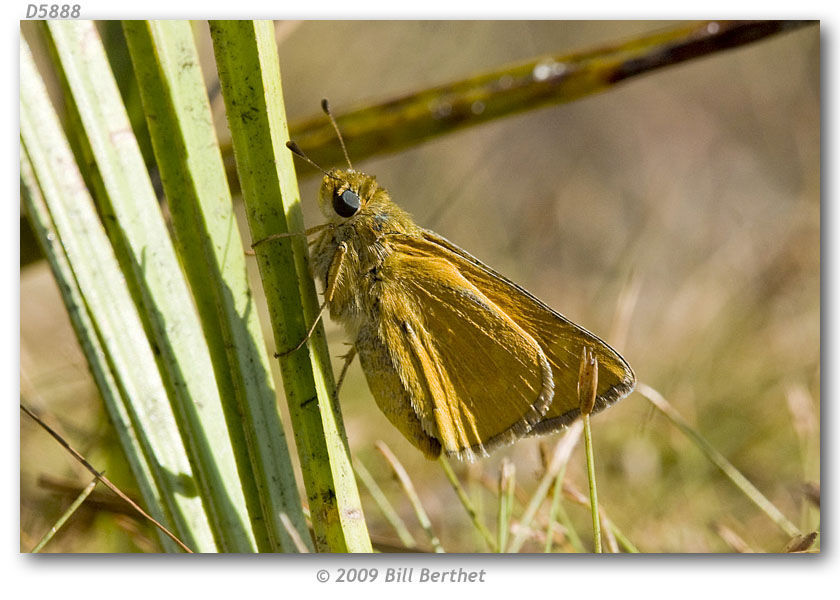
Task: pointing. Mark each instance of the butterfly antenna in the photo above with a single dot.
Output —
(325, 106)
(296, 150)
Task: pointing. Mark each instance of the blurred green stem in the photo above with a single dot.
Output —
(719, 460)
(411, 492)
(384, 504)
(408, 120)
(560, 456)
(558, 513)
(507, 490)
(593, 492)
(65, 515)
(467, 503)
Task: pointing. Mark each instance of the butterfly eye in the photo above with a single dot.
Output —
(347, 204)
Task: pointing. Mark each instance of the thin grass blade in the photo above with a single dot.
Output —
(388, 511)
(507, 487)
(719, 460)
(64, 516)
(411, 493)
(467, 504)
(560, 456)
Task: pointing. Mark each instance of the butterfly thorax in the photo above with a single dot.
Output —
(365, 235)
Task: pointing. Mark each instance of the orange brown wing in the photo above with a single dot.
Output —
(561, 340)
(475, 378)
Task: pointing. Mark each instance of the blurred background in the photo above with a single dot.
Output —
(677, 216)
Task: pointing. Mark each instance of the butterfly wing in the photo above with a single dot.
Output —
(561, 340)
(390, 394)
(474, 378)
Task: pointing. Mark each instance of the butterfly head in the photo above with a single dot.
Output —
(346, 193)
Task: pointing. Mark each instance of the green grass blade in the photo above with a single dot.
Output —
(127, 201)
(65, 516)
(575, 495)
(249, 73)
(104, 316)
(561, 454)
(467, 503)
(208, 242)
(507, 489)
(558, 512)
(719, 460)
(593, 490)
(411, 493)
(619, 535)
(384, 505)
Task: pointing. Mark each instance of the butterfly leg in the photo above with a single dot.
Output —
(277, 236)
(335, 270)
(252, 252)
(348, 360)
